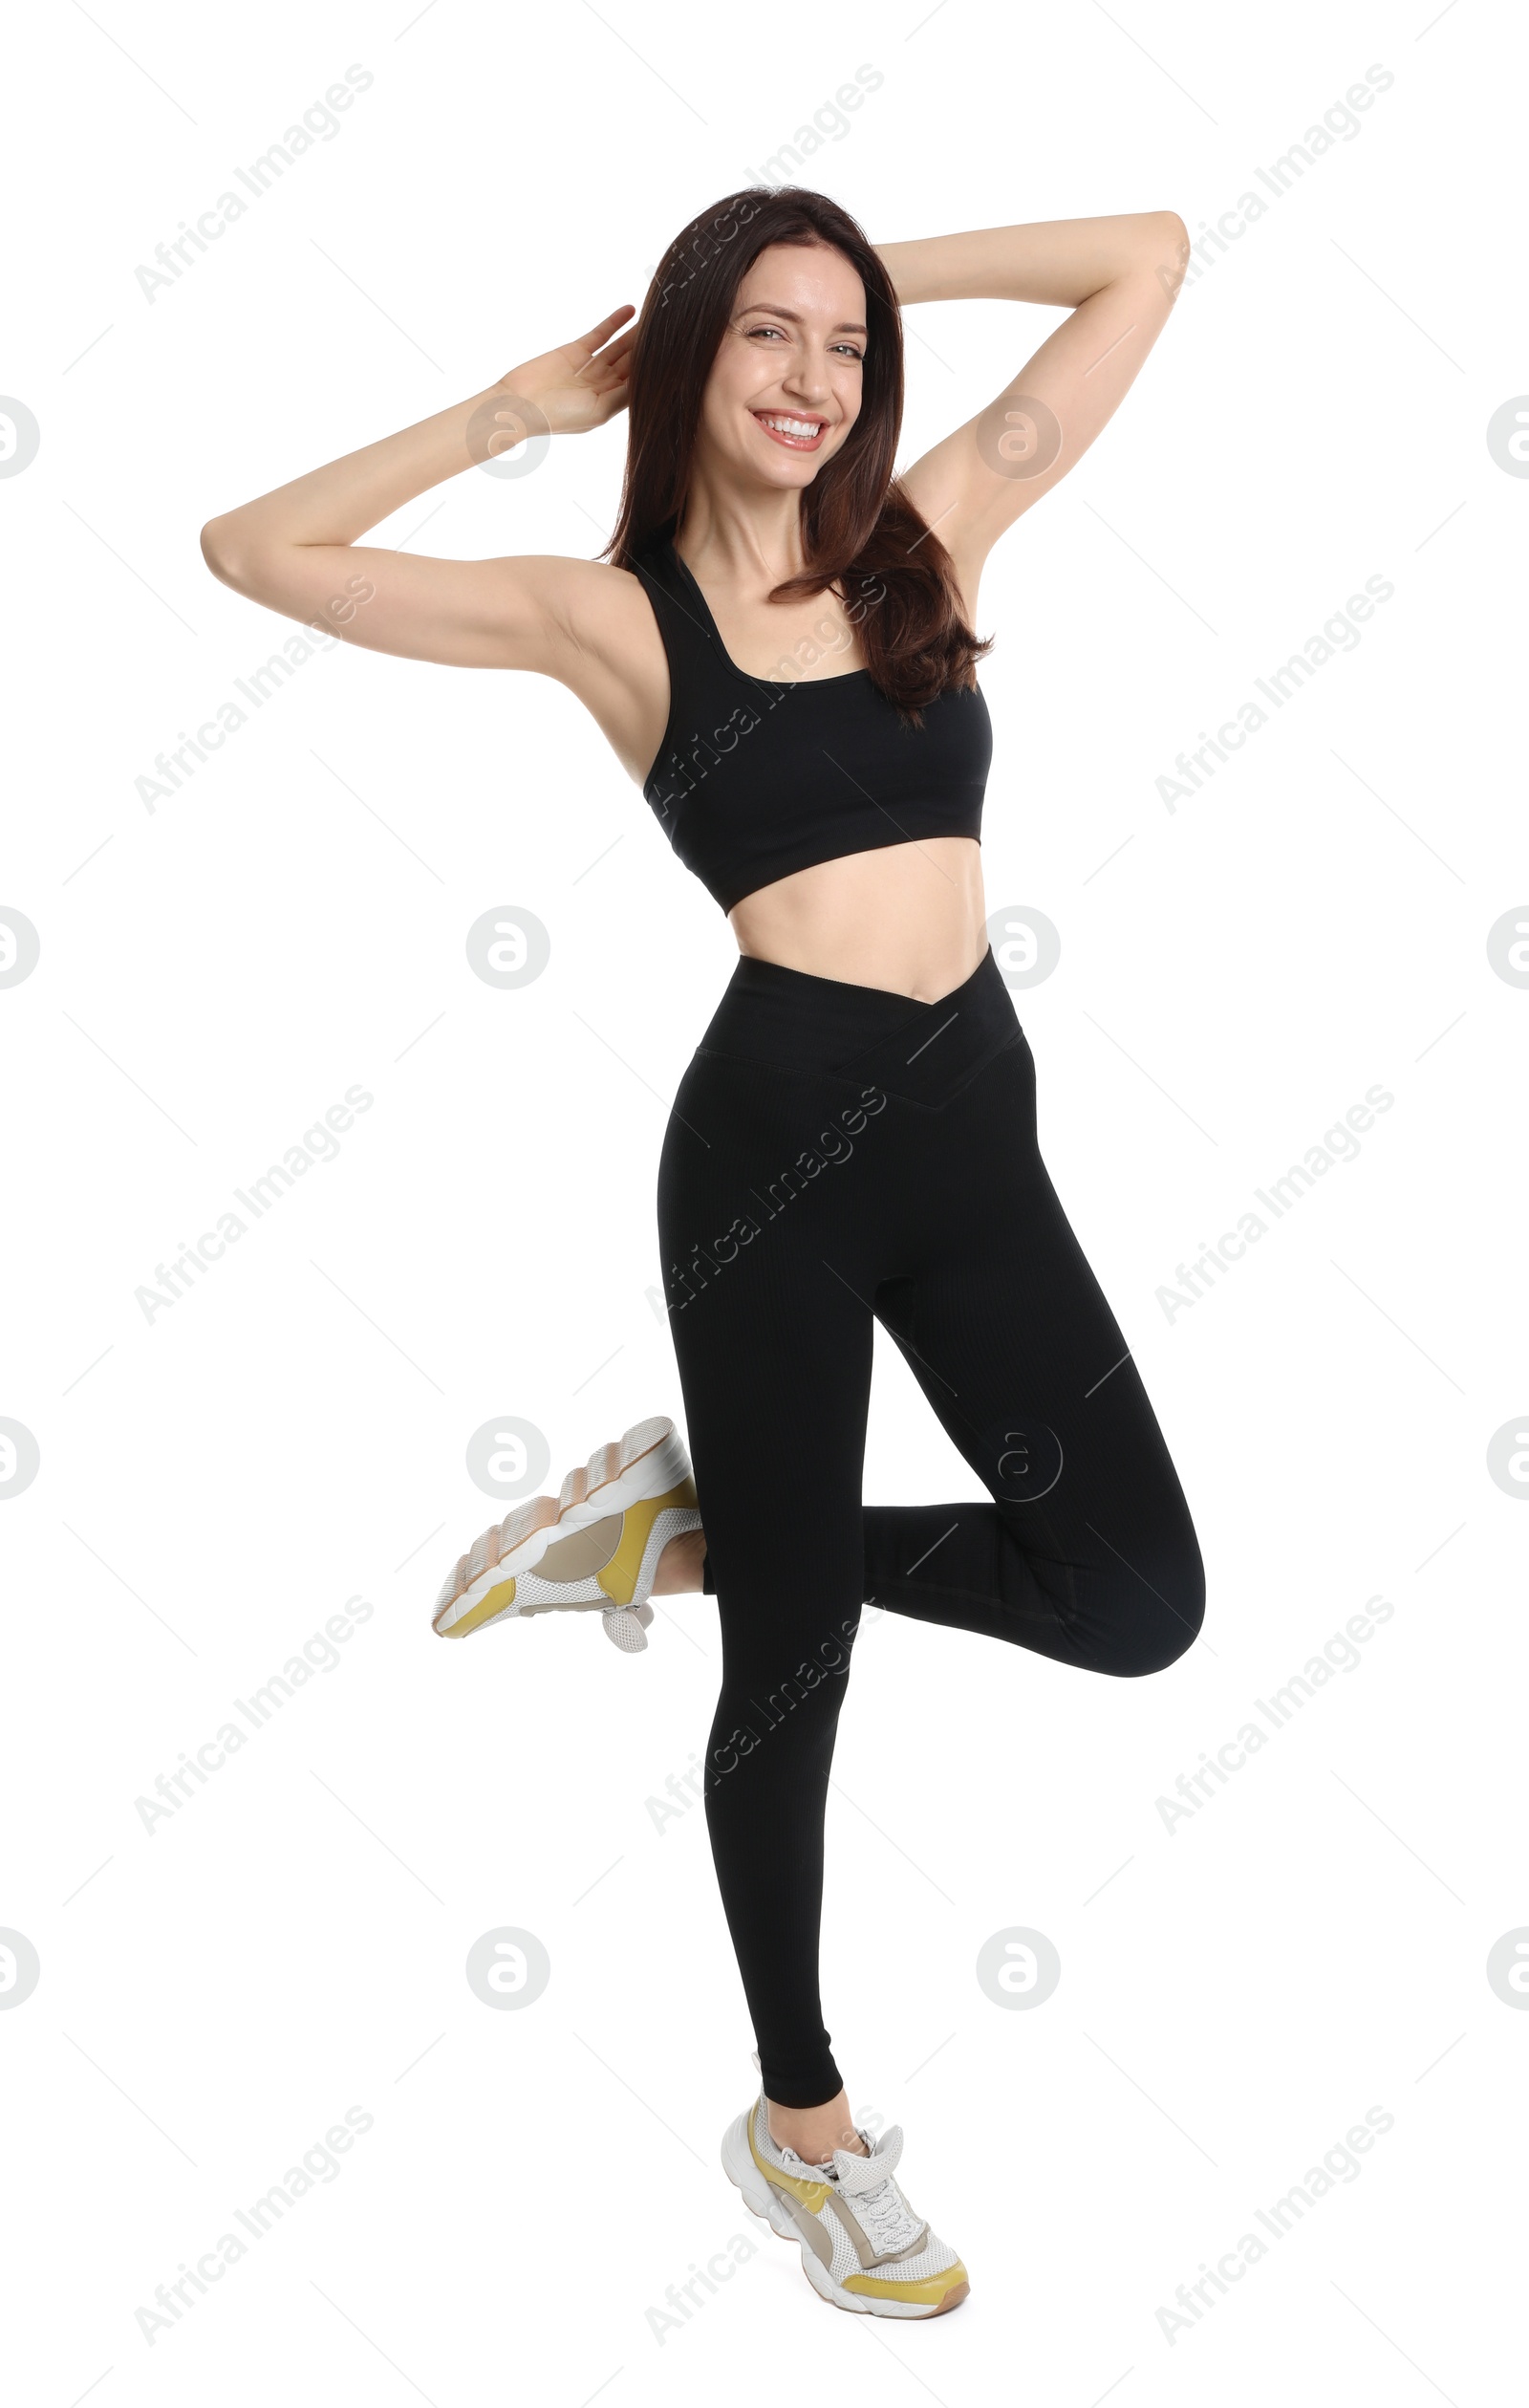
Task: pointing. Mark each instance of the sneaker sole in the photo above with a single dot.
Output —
(740, 2170)
(648, 1464)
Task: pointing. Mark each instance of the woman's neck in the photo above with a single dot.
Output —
(741, 540)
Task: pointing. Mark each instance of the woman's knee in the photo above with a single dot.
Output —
(1167, 1613)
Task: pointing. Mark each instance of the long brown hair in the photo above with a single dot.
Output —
(860, 533)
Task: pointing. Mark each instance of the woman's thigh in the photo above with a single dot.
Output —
(1009, 1333)
(768, 1206)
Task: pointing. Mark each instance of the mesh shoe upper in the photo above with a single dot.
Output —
(859, 2207)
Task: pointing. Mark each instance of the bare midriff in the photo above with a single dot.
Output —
(909, 918)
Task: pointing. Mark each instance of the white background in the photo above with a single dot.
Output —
(217, 1482)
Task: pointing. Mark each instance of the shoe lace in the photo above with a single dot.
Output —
(887, 2217)
(888, 2220)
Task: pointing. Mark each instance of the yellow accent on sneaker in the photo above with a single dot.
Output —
(484, 1611)
(619, 1577)
(810, 2194)
(929, 2292)
(934, 2291)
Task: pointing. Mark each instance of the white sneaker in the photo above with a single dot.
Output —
(863, 2247)
(597, 1543)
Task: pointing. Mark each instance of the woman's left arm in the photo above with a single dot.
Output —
(1118, 276)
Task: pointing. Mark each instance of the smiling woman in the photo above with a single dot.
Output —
(834, 814)
(782, 379)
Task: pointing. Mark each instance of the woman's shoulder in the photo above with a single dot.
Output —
(602, 641)
(595, 605)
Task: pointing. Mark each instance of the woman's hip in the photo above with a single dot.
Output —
(772, 1018)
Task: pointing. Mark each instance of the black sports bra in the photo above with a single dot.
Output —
(756, 778)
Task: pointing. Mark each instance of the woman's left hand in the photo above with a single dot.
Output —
(582, 383)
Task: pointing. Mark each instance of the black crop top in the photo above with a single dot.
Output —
(756, 778)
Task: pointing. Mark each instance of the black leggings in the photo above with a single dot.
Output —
(837, 1154)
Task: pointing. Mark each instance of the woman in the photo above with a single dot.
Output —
(780, 649)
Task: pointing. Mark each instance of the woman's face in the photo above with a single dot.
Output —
(784, 387)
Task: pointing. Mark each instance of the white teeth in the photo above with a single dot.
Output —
(803, 427)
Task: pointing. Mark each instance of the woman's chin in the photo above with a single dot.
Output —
(781, 470)
(768, 469)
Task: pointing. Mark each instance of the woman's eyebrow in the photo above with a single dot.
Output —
(772, 309)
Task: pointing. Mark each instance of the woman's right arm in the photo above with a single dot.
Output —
(296, 550)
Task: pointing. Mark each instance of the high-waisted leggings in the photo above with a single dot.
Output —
(837, 1156)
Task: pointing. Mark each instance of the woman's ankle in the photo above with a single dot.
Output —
(814, 2133)
(680, 1565)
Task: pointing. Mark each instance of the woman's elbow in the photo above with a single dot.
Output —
(1166, 250)
(225, 554)
(1175, 235)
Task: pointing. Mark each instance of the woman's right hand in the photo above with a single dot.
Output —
(582, 383)
(294, 549)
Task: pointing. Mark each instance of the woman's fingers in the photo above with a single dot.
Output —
(607, 368)
(592, 342)
(611, 366)
(614, 359)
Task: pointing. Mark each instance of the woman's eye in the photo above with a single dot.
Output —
(843, 351)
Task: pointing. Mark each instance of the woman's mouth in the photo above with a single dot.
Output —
(795, 433)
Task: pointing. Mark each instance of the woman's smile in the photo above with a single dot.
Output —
(799, 430)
